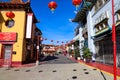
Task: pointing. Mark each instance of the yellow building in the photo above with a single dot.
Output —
(17, 25)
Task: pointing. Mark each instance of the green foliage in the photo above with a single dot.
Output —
(87, 53)
(70, 51)
(76, 51)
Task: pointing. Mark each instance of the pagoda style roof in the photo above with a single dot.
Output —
(14, 4)
(85, 6)
(17, 5)
(14, 1)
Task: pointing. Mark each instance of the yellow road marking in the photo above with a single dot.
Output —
(98, 69)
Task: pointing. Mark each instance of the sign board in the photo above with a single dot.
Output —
(8, 36)
(29, 25)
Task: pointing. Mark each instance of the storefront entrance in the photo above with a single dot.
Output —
(7, 54)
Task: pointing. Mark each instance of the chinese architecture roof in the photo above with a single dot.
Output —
(87, 5)
(14, 4)
(17, 5)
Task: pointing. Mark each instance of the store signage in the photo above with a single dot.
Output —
(29, 25)
(102, 17)
(8, 36)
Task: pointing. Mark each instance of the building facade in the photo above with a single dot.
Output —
(98, 25)
(17, 30)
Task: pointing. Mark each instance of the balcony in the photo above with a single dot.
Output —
(84, 7)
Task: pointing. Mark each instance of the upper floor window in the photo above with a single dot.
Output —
(99, 3)
(118, 16)
(101, 26)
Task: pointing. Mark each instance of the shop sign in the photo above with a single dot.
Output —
(102, 17)
(8, 36)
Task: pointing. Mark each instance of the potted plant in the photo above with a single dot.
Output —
(87, 54)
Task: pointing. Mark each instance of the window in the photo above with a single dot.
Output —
(99, 3)
(10, 23)
(118, 16)
(101, 26)
(105, 1)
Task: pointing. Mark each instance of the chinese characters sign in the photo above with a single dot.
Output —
(8, 36)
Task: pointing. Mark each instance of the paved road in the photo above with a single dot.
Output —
(57, 59)
(55, 68)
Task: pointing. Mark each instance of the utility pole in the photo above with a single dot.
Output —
(114, 41)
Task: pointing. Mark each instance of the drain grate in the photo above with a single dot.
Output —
(74, 70)
(94, 69)
(54, 71)
(40, 71)
(74, 77)
(8, 69)
(84, 69)
(16, 70)
(86, 72)
(27, 71)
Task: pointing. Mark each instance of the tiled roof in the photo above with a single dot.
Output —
(14, 1)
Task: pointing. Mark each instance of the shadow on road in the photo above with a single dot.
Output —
(48, 58)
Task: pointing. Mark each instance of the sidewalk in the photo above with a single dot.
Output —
(100, 66)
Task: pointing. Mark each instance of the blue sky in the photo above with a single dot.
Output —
(55, 26)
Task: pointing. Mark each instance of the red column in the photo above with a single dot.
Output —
(114, 41)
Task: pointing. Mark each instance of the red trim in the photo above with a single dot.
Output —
(30, 14)
(104, 67)
(16, 63)
(100, 66)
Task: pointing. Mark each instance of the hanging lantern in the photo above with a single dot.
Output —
(51, 40)
(76, 3)
(45, 38)
(10, 14)
(52, 5)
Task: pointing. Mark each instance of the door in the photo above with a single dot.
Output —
(7, 54)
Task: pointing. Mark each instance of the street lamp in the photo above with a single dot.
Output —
(114, 41)
(37, 56)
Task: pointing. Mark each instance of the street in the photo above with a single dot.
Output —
(56, 67)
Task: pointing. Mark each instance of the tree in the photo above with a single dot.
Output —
(87, 54)
(77, 52)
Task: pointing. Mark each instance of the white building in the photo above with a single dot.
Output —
(96, 25)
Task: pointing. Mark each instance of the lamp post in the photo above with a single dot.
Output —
(114, 41)
(37, 56)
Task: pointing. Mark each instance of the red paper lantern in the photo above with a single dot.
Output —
(52, 5)
(76, 3)
(51, 40)
(10, 14)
